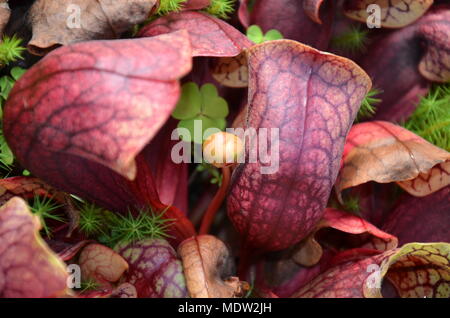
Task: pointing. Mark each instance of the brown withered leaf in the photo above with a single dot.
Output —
(383, 152)
(393, 14)
(5, 13)
(101, 264)
(231, 71)
(309, 252)
(426, 183)
(27, 187)
(56, 23)
(205, 261)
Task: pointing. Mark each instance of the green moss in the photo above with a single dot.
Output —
(431, 119)
(45, 209)
(91, 219)
(168, 6)
(89, 285)
(10, 49)
(352, 41)
(351, 204)
(368, 105)
(221, 8)
(124, 229)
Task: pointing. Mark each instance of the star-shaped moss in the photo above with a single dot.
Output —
(431, 119)
(202, 104)
(256, 35)
(221, 8)
(353, 40)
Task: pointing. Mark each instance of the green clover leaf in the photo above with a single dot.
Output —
(273, 35)
(200, 104)
(256, 35)
(190, 102)
(6, 155)
(214, 105)
(17, 72)
(6, 84)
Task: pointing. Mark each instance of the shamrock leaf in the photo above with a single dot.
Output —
(200, 106)
(190, 102)
(6, 155)
(255, 34)
(17, 72)
(214, 105)
(6, 84)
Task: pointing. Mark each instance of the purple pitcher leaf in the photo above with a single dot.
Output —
(312, 98)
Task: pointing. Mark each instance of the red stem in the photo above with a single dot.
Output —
(244, 264)
(247, 257)
(210, 213)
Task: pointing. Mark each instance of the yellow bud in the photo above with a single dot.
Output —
(222, 149)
